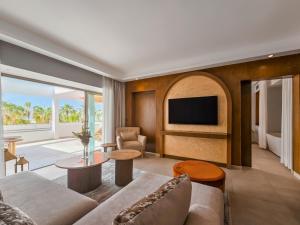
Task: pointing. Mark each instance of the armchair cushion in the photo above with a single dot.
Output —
(132, 144)
(129, 136)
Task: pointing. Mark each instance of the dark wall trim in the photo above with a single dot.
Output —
(15, 56)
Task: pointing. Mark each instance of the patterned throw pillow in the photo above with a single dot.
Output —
(168, 205)
(13, 216)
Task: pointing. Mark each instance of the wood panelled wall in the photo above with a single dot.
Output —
(232, 76)
(296, 123)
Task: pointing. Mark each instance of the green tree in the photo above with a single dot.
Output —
(27, 110)
(68, 114)
(14, 114)
(42, 114)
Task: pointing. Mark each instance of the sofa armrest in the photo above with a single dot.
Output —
(142, 139)
(119, 142)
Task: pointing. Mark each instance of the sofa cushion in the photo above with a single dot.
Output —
(132, 145)
(129, 136)
(172, 198)
(46, 202)
(202, 215)
(13, 216)
(145, 184)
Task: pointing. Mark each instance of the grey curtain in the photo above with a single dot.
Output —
(119, 103)
(114, 108)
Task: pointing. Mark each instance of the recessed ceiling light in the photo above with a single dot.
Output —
(270, 56)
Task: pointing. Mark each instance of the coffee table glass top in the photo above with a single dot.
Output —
(124, 154)
(77, 162)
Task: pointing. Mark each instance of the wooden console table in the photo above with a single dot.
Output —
(213, 135)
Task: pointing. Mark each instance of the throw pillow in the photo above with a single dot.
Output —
(13, 216)
(168, 205)
(129, 136)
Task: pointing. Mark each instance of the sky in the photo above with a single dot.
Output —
(18, 92)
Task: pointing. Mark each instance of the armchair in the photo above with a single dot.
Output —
(129, 137)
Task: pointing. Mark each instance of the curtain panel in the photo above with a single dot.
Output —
(114, 108)
(263, 116)
(2, 161)
(287, 123)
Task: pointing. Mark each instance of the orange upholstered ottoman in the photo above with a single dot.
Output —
(201, 172)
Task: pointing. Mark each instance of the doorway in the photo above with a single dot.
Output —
(267, 119)
(144, 116)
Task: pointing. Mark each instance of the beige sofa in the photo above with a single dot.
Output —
(46, 202)
(51, 204)
(209, 198)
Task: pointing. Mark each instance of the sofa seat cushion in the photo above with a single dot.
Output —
(46, 202)
(147, 183)
(132, 144)
(13, 216)
(172, 198)
(200, 215)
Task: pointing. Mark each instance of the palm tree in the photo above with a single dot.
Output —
(27, 110)
(68, 114)
(38, 112)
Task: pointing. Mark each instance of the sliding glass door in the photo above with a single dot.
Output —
(94, 112)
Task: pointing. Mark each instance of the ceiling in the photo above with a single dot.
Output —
(141, 38)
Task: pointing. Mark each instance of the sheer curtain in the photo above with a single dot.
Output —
(262, 129)
(114, 108)
(287, 123)
(2, 163)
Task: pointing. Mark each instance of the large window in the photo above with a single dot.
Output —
(25, 102)
(37, 111)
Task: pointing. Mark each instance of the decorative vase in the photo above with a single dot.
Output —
(84, 136)
(85, 154)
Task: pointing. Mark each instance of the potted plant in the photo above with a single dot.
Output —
(84, 137)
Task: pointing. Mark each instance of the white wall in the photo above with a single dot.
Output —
(40, 132)
(30, 132)
(66, 129)
(274, 109)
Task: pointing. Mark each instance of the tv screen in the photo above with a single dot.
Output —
(197, 110)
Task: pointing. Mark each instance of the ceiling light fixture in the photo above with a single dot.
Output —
(270, 56)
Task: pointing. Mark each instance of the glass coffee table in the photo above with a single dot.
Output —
(124, 165)
(84, 175)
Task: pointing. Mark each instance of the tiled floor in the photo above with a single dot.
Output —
(267, 194)
(44, 153)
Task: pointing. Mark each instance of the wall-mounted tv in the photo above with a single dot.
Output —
(196, 110)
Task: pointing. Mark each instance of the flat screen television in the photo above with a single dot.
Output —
(196, 110)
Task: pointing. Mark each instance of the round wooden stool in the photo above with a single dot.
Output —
(201, 172)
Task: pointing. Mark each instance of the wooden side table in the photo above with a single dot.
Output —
(124, 165)
(12, 143)
(108, 145)
(7, 157)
